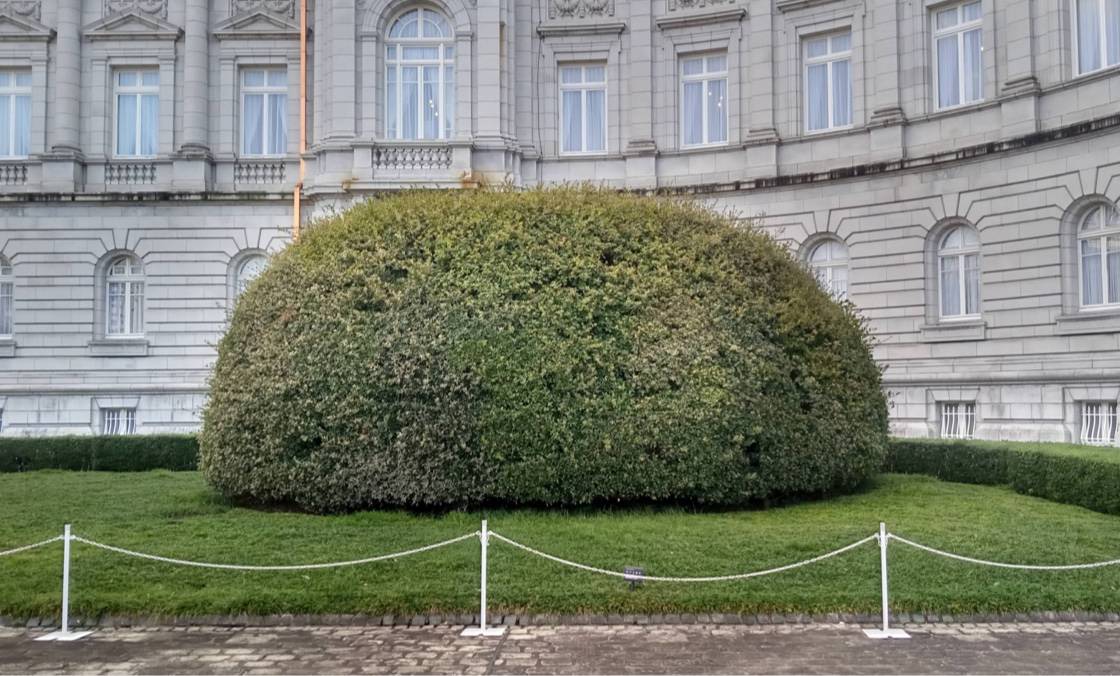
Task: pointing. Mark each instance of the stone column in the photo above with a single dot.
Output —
(196, 68)
(492, 157)
(641, 148)
(1019, 90)
(342, 77)
(62, 164)
(762, 134)
(882, 74)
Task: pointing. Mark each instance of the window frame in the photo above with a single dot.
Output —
(240, 284)
(8, 294)
(14, 91)
(957, 30)
(961, 254)
(829, 58)
(1102, 45)
(705, 77)
(830, 265)
(1107, 422)
(139, 90)
(129, 278)
(445, 127)
(267, 91)
(583, 86)
(1103, 233)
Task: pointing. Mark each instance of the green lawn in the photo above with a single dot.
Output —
(175, 514)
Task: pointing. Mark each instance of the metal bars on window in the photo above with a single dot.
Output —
(1098, 423)
(958, 419)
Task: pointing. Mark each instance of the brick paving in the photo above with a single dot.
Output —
(1023, 648)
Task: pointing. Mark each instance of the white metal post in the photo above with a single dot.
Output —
(483, 629)
(64, 634)
(884, 591)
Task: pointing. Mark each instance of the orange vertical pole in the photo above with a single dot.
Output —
(297, 193)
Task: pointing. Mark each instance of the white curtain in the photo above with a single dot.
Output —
(948, 86)
(149, 124)
(116, 300)
(1091, 291)
(448, 100)
(391, 101)
(973, 89)
(6, 308)
(717, 111)
(278, 124)
(1112, 31)
(841, 94)
(431, 102)
(136, 308)
(5, 125)
(596, 120)
(950, 286)
(1088, 35)
(840, 282)
(253, 121)
(573, 121)
(126, 124)
(817, 94)
(693, 112)
(22, 141)
(410, 99)
(1114, 269)
(972, 284)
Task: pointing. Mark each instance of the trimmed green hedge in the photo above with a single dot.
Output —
(1076, 475)
(548, 347)
(106, 454)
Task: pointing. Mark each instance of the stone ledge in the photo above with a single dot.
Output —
(950, 331)
(124, 347)
(546, 619)
(1088, 322)
(7, 347)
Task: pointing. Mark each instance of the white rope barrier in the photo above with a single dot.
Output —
(309, 566)
(25, 548)
(654, 578)
(999, 564)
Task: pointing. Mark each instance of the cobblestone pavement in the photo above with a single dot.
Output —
(964, 648)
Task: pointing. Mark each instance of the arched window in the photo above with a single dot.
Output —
(124, 297)
(249, 269)
(420, 76)
(1098, 242)
(829, 263)
(7, 292)
(958, 265)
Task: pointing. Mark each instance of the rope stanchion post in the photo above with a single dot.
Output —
(64, 633)
(886, 631)
(483, 628)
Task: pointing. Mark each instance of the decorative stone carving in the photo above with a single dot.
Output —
(279, 7)
(29, 8)
(696, 4)
(578, 9)
(156, 8)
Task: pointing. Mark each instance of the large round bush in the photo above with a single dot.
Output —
(555, 347)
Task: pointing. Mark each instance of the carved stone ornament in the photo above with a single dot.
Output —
(579, 9)
(278, 7)
(30, 8)
(696, 4)
(152, 7)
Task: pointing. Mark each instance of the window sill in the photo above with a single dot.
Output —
(955, 331)
(119, 347)
(7, 347)
(1089, 321)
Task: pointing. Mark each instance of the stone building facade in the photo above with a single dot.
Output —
(952, 168)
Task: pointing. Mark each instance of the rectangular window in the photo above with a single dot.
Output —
(828, 82)
(704, 100)
(583, 108)
(1098, 423)
(15, 113)
(264, 111)
(1096, 29)
(118, 421)
(958, 419)
(6, 293)
(957, 43)
(137, 96)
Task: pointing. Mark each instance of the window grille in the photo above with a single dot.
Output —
(118, 421)
(1098, 423)
(958, 420)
